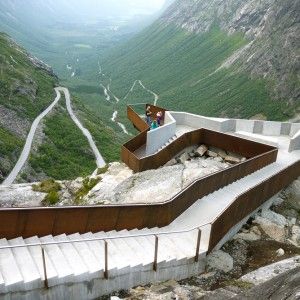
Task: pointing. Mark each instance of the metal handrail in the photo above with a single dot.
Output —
(137, 235)
(104, 238)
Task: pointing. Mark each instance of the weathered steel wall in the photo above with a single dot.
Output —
(57, 220)
(251, 200)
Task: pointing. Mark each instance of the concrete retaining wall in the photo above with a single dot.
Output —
(156, 138)
(96, 288)
(295, 142)
(196, 121)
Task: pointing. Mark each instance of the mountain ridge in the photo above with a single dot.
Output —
(219, 58)
(271, 27)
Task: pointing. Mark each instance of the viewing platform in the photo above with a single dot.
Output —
(89, 251)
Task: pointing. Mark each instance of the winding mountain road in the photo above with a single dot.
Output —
(108, 93)
(27, 147)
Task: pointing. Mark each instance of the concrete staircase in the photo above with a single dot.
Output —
(172, 139)
(75, 270)
(21, 269)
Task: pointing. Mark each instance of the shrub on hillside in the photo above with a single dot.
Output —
(47, 186)
(51, 198)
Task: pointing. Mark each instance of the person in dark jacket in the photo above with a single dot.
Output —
(148, 115)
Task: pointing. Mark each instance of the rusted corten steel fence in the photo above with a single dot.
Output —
(42, 221)
(249, 201)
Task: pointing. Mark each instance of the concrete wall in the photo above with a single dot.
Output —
(295, 142)
(267, 127)
(195, 121)
(295, 127)
(156, 138)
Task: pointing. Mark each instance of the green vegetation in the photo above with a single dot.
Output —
(88, 184)
(51, 198)
(183, 69)
(24, 88)
(66, 154)
(102, 170)
(238, 283)
(47, 186)
(51, 187)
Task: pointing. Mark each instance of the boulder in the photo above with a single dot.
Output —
(201, 150)
(192, 154)
(291, 221)
(295, 234)
(292, 194)
(232, 159)
(280, 252)
(250, 236)
(274, 231)
(274, 217)
(171, 162)
(211, 153)
(75, 185)
(218, 159)
(255, 230)
(183, 157)
(220, 260)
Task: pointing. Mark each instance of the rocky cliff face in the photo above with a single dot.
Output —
(271, 27)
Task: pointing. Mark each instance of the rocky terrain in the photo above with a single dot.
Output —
(262, 261)
(117, 184)
(271, 28)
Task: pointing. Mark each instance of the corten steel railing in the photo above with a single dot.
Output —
(240, 208)
(249, 201)
(221, 140)
(41, 221)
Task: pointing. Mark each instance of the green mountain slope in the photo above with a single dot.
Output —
(196, 60)
(59, 149)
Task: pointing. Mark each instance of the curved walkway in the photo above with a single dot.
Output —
(27, 147)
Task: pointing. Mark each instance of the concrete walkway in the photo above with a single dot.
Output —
(76, 270)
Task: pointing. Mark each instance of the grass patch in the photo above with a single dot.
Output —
(51, 187)
(238, 283)
(88, 184)
(102, 170)
(51, 198)
(47, 186)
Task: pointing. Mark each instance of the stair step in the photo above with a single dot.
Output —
(164, 254)
(138, 249)
(10, 271)
(115, 259)
(36, 254)
(95, 267)
(31, 276)
(173, 247)
(59, 261)
(73, 258)
(123, 251)
(186, 242)
(97, 248)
